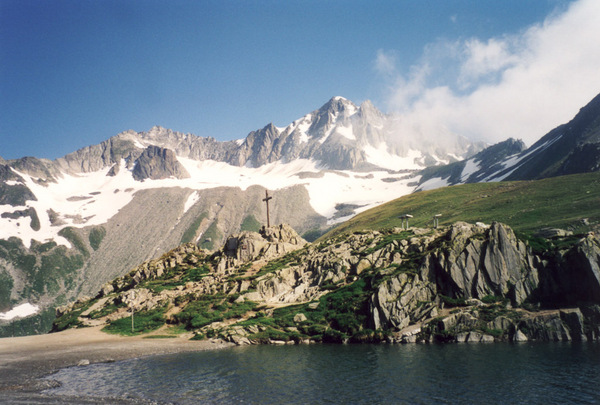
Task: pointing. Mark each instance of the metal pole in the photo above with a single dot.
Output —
(131, 303)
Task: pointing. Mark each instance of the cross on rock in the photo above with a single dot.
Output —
(266, 200)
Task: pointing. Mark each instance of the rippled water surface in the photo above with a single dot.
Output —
(541, 373)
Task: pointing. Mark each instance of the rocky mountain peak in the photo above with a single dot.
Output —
(157, 163)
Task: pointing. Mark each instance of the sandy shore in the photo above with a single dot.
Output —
(24, 360)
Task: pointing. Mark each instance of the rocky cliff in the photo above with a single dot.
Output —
(464, 282)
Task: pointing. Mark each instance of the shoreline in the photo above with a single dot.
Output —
(26, 360)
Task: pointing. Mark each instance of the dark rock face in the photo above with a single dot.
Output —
(29, 212)
(13, 194)
(490, 162)
(158, 163)
(570, 148)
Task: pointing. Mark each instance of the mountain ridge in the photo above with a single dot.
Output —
(569, 148)
(68, 225)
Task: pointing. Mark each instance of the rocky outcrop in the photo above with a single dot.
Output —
(475, 266)
(267, 244)
(158, 163)
(463, 283)
(13, 191)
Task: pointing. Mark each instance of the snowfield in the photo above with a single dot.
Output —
(20, 311)
(93, 198)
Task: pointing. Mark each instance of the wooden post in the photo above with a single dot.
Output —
(131, 302)
(405, 217)
(266, 200)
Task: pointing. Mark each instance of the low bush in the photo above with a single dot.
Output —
(144, 322)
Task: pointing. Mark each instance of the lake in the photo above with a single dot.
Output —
(495, 373)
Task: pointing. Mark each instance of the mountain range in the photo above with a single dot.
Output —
(570, 148)
(69, 225)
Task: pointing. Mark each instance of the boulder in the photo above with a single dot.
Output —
(300, 317)
(573, 318)
(519, 336)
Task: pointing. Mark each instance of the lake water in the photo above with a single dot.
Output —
(496, 373)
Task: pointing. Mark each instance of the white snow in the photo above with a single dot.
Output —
(303, 126)
(515, 161)
(93, 198)
(346, 132)
(239, 142)
(192, 199)
(20, 311)
(470, 168)
(381, 157)
(12, 183)
(433, 183)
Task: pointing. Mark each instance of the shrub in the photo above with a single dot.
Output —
(334, 336)
(453, 302)
(144, 322)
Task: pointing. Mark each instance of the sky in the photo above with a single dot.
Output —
(75, 73)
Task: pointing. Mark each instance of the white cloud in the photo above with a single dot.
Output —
(519, 85)
(385, 63)
(484, 59)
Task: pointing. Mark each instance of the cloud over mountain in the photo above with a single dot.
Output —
(520, 85)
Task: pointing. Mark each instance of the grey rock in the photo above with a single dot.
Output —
(298, 318)
(520, 336)
(158, 163)
(574, 320)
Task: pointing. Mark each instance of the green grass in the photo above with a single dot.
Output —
(73, 236)
(70, 319)
(211, 235)
(340, 315)
(250, 223)
(106, 310)
(176, 277)
(190, 232)
(160, 337)
(144, 322)
(207, 309)
(386, 240)
(6, 285)
(526, 206)
(96, 235)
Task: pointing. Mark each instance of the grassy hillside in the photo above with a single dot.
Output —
(526, 206)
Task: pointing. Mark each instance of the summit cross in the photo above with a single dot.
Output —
(266, 200)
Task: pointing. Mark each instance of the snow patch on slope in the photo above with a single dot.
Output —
(434, 183)
(192, 199)
(20, 311)
(346, 132)
(470, 167)
(515, 161)
(93, 198)
(381, 157)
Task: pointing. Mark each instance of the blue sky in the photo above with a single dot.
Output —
(74, 73)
